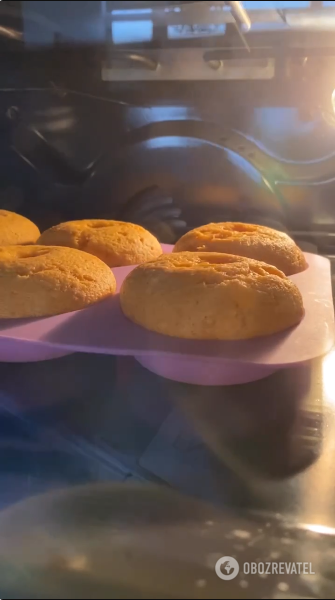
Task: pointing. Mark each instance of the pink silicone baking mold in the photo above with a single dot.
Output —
(103, 329)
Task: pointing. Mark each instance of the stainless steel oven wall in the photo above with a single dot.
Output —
(85, 133)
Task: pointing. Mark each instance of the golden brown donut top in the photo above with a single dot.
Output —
(242, 239)
(16, 229)
(40, 281)
(212, 267)
(115, 242)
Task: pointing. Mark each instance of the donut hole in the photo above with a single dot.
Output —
(98, 225)
(189, 260)
(222, 235)
(33, 253)
(243, 227)
(215, 258)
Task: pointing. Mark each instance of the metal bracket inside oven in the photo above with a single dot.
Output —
(183, 64)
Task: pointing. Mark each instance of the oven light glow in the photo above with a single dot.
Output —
(333, 100)
(328, 370)
(135, 11)
(321, 529)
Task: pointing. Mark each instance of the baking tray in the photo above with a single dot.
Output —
(103, 329)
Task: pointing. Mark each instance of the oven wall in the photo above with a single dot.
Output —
(169, 155)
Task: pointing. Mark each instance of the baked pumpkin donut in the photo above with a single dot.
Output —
(15, 229)
(37, 281)
(116, 243)
(252, 241)
(210, 296)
